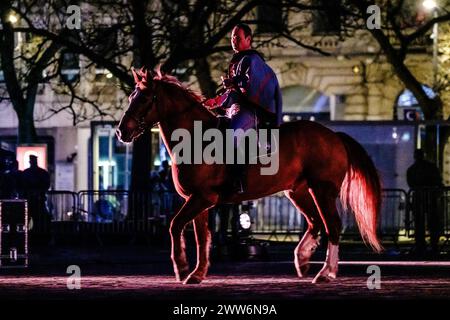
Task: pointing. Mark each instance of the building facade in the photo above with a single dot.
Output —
(353, 83)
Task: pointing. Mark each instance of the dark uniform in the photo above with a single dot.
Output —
(257, 84)
(254, 98)
(424, 177)
(35, 183)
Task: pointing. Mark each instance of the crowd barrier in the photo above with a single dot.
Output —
(124, 211)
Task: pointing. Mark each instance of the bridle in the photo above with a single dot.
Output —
(141, 120)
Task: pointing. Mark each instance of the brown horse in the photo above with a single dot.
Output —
(316, 166)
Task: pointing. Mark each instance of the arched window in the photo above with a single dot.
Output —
(407, 107)
(306, 102)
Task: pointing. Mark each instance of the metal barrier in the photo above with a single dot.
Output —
(111, 211)
(393, 222)
(62, 205)
(429, 213)
(102, 206)
(101, 212)
(277, 217)
(108, 206)
(123, 211)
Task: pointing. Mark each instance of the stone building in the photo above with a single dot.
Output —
(354, 83)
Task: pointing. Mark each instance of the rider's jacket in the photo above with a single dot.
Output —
(256, 80)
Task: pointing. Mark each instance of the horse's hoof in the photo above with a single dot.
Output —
(320, 278)
(192, 280)
(182, 276)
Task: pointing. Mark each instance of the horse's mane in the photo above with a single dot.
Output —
(172, 80)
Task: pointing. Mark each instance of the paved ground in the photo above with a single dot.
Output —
(257, 284)
(147, 289)
(144, 276)
(230, 281)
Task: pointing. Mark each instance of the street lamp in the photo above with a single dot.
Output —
(13, 18)
(431, 5)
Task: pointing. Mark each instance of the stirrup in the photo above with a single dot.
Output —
(240, 189)
(238, 186)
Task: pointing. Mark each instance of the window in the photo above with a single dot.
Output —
(300, 102)
(407, 107)
(270, 17)
(70, 66)
(328, 20)
(111, 160)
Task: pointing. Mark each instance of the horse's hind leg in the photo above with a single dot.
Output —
(303, 201)
(203, 239)
(324, 196)
(193, 206)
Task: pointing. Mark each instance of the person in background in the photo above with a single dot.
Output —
(425, 179)
(35, 184)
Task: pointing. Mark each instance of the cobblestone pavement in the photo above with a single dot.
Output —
(143, 290)
(229, 281)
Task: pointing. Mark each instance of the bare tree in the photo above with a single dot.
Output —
(402, 26)
(178, 35)
(30, 60)
(187, 38)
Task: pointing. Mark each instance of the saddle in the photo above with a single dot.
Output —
(265, 120)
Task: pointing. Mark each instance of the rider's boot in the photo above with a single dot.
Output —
(239, 178)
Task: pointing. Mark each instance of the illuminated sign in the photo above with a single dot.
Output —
(24, 152)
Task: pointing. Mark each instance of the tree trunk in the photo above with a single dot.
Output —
(140, 174)
(432, 108)
(27, 130)
(140, 200)
(140, 206)
(203, 73)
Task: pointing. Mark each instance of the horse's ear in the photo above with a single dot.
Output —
(158, 71)
(135, 76)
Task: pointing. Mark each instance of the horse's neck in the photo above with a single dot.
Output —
(186, 120)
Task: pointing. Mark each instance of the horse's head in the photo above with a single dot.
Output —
(142, 111)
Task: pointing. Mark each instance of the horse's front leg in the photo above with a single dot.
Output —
(192, 207)
(203, 239)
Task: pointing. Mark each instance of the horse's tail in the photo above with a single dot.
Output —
(361, 190)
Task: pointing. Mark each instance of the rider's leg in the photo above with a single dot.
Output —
(244, 120)
(238, 174)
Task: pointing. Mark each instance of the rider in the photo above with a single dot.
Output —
(252, 92)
